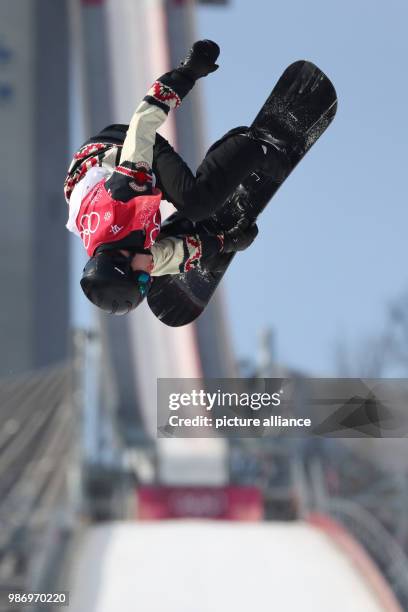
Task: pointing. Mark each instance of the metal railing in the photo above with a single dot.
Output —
(37, 456)
(379, 543)
(365, 527)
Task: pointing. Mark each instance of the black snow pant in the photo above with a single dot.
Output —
(226, 164)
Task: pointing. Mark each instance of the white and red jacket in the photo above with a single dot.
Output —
(102, 170)
(102, 219)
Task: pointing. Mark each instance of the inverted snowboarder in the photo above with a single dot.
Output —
(118, 178)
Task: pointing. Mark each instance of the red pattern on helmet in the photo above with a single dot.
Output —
(72, 181)
(87, 150)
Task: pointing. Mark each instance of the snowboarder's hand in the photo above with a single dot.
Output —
(200, 60)
(240, 237)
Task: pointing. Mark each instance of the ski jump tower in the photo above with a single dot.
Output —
(114, 49)
(126, 44)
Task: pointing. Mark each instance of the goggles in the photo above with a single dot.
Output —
(143, 280)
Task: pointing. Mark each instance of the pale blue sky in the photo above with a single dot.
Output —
(332, 246)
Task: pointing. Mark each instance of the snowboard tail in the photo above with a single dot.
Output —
(299, 109)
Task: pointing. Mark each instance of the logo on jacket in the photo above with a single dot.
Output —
(154, 229)
(115, 229)
(89, 224)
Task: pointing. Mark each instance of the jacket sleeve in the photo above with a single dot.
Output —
(176, 255)
(133, 176)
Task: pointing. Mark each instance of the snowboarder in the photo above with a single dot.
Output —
(118, 178)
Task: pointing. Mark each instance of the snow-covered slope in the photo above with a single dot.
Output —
(215, 566)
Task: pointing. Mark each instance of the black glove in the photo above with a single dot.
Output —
(240, 237)
(200, 60)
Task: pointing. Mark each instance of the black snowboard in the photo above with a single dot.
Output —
(299, 109)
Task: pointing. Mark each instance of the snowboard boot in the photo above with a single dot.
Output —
(277, 163)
